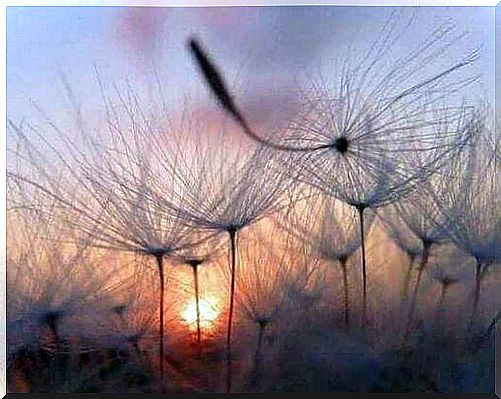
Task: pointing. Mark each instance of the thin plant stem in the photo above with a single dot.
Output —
(160, 264)
(405, 288)
(52, 321)
(257, 355)
(493, 324)
(194, 267)
(346, 293)
(364, 266)
(440, 302)
(422, 266)
(232, 233)
(477, 291)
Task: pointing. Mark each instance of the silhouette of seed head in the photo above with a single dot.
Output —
(263, 322)
(51, 319)
(134, 339)
(447, 281)
(119, 309)
(194, 262)
(341, 144)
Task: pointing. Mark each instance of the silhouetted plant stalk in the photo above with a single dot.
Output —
(360, 210)
(194, 257)
(233, 249)
(407, 279)
(160, 264)
(405, 239)
(419, 214)
(194, 266)
(493, 324)
(445, 284)
(443, 291)
(346, 291)
(480, 270)
(421, 267)
(256, 366)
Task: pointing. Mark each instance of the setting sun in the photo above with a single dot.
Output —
(209, 312)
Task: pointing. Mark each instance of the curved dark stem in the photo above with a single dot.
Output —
(194, 267)
(405, 288)
(232, 233)
(216, 83)
(364, 266)
(477, 291)
(346, 292)
(422, 266)
(160, 265)
(493, 324)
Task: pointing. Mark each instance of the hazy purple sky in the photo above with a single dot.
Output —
(261, 48)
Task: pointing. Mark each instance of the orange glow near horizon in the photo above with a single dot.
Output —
(209, 312)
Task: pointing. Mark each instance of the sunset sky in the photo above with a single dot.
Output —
(331, 169)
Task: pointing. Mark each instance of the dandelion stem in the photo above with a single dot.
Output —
(422, 266)
(477, 291)
(194, 267)
(361, 209)
(257, 355)
(232, 234)
(346, 293)
(492, 326)
(407, 280)
(160, 264)
(440, 303)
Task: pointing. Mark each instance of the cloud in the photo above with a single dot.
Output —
(140, 29)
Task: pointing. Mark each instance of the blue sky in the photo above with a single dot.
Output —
(257, 45)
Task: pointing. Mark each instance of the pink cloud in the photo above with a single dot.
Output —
(140, 29)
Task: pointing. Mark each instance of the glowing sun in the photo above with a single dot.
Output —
(209, 312)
